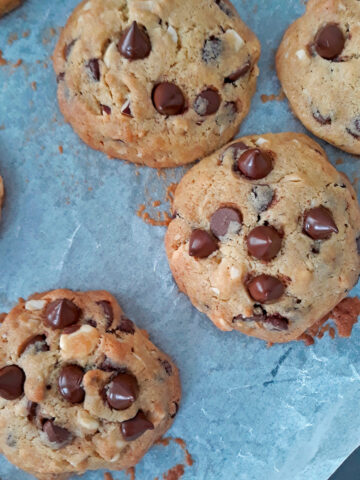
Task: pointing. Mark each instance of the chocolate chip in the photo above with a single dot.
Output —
(276, 321)
(70, 380)
(91, 322)
(40, 344)
(225, 220)
(167, 366)
(105, 109)
(319, 223)
(108, 312)
(94, 68)
(265, 288)
(240, 72)
(61, 313)
(262, 197)
(211, 50)
(68, 48)
(168, 99)
(134, 43)
(329, 41)
(207, 102)
(224, 7)
(126, 326)
(201, 244)
(264, 243)
(126, 109)
(135, 427)
(122, 391)
(354, 129)
(60, 77)
(56, 434)
(255, 164)
(12, 379)
(10, 440)
(321, 119)
(107, 365)
(175, 409)
(31, 408)
(358, 245)
(70, 330)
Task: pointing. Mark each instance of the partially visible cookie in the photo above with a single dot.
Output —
(266, 236)
(318, 63)
(156, 82)
(7, 5)
(80, 386)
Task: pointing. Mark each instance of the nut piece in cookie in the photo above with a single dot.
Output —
(80, 385)
(266, 239)
(159, 83)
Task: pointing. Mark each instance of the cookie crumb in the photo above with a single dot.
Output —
(271, 98)
(26, 34)
(108, 476)
(61, 150)
(174, 473)
(13, 37)
(131, 472)
(34, 86)
(2, 59)
(166, 218)
(18, 63)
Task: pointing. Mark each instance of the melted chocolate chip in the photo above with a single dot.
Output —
(61, 313)
(68, 48)
(201, 244)
(237, 74)
(358, 245)
(262, 197)
(70, 380)
(91, 322)
(167, 366)
(264, 243)
(224, 7)
(31, 408)
(40, 344)
(255, 164)
(207, 102)
(122, 391)
(319, 223)
(60, 77)
(276, 321)
(94, 68)
(108, 312)
(211, 50)
(12, 379)
(321, 119)
(265, 288)
(168, 99)
(134, 43)
(105, 109)
(56, 434)
(126, 326)
(225, 220)
(329, 41)
(354, 129)
(135, 427)
(70, 330)
(126, 110)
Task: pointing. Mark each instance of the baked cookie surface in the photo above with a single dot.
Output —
(266, 236)
(80, 386)
(317, 64)
(7, 5)
(156, 82)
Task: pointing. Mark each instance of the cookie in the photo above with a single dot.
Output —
(317, 64)
(156, 82)
(80, 386)
(7, 5)
(266, 236)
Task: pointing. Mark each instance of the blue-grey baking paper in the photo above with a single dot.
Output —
(248, 412)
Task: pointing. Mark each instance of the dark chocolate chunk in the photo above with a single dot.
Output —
(264, 243)
(321, 119)
(239, 73)
(40, 344)
(168, 99)
(108, 312)
(134, 43)
(122, 391)
(201, 244)
(329, 41)
(225, 220)
(167, 366)
(265, 288)
(255, 164)
(135, 427)
(319, 223)
(61, 313)
(12, 379)
(94, 68)
(70, 383)
(207, 102)
(56, 434)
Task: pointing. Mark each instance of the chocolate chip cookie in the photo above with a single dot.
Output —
(7, 5)
(156, 82)
(266, 236)
(80, 386)
(318, 63)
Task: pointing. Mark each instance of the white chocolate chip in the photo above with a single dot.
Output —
(32, 305)
(260, 141)
(79, 344)
(215, 290)
(85, 420)
(223, 325)
(172, 32)
(301, 54)
(115, 458)
(234, 273)
(87, 6)
(110, 51)
(235, 39)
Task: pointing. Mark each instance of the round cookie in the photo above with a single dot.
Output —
(266, 236)
(7, 5)
(156, 82)
(80, 386)
(318, 64)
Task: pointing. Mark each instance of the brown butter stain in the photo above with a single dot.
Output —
(271, 98)
(345, 316)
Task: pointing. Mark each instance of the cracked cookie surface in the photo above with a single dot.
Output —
(80, 385)
(266, 236)
(317, 64)
(156, 82)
